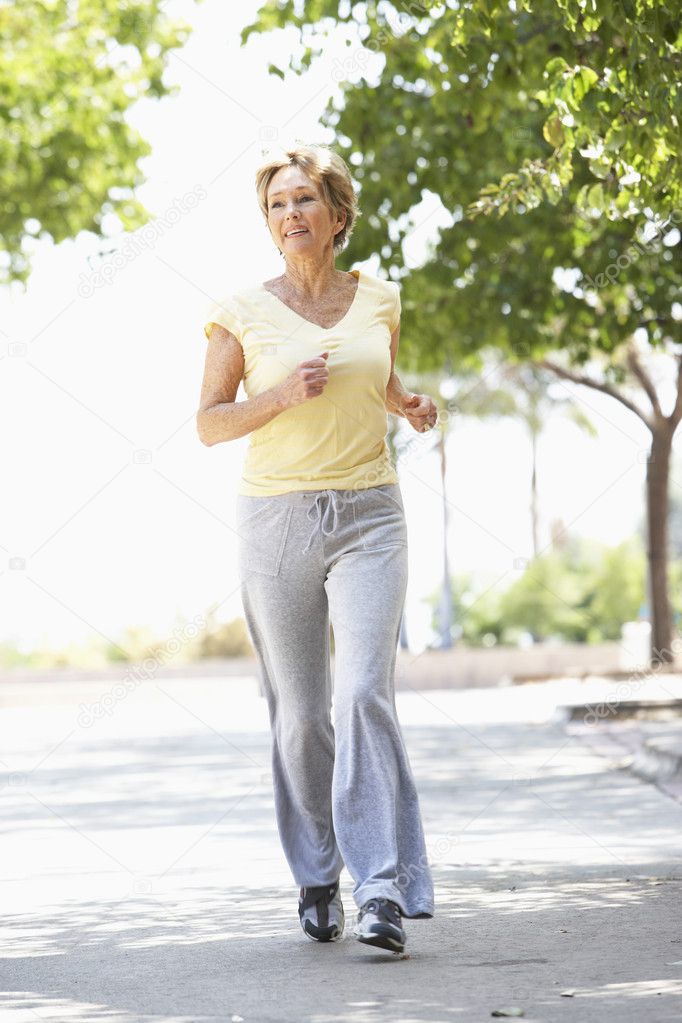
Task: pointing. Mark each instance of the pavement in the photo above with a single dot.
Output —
(143, 878)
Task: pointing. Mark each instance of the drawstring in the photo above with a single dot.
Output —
(322, 514)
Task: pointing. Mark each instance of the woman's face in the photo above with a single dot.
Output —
(296, 204)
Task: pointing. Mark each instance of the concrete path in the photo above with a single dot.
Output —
(143, 878)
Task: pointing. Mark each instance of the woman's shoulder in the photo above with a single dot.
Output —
(379, 283)
(234, 309)
(244, 293)
(385, 297)
(380, 288)
(239, 299)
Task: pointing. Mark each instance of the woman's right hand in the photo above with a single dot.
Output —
(307, 381)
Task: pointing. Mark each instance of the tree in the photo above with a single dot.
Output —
(535, 402)
(617, 588)
(676, 525)
(548, 600)
(581, 592)
(467, 394)
(675, 515)
(69, 74)
(549, 131)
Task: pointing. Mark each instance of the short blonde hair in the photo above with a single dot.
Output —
(330, 173)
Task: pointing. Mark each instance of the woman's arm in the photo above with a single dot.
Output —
(222, 418)
(419, 409)
(396, 395)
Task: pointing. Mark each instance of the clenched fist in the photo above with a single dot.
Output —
(421, 412)
(307, 381)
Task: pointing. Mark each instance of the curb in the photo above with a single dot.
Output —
(615, 709)
(658, 760)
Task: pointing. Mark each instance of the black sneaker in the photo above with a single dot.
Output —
(320, 911)
(379, 924)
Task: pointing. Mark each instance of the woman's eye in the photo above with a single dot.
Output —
(278, 202)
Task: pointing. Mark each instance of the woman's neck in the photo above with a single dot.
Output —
(311, 278)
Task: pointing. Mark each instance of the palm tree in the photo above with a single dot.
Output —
(534, 404)
(466, 394)
(525, 392)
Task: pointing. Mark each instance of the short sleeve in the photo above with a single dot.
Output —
(225, 314)
(394, 315)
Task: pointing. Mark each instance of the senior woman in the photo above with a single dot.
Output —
(322, 537)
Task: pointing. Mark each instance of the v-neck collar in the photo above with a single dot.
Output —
(292, 312)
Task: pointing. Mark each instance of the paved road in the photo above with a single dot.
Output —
(143, 878)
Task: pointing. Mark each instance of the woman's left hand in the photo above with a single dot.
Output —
(421, 412)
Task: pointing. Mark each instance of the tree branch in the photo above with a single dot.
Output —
(638, 370)
(653, 319)
(598, 385)
(539, 29)
(676, 413)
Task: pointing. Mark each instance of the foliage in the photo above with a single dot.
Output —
(226, 639)
(537, 397)
(558, 119)
(602, 78)
(580, 592)
(477, 618)
(136, 644)
(617, 588)
(548, 600)
(92, 653)
(69, 75)
(549, 131)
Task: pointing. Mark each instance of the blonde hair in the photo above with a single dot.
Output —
(330, 173)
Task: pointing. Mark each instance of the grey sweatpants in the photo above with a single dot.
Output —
(344, 792)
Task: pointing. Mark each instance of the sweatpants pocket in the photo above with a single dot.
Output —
(380, 517)
(263, 529)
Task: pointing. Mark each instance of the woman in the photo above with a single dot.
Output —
(322, 537)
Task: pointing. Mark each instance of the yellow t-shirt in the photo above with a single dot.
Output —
(336, 440)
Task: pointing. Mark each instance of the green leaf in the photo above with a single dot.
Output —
(583, 81)
(556, 66)
(553, 131)
(69, 76)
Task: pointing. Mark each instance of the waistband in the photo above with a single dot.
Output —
(306, 497)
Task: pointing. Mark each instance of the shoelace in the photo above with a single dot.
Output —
(323, 894)
(383, 907)
(321, 514)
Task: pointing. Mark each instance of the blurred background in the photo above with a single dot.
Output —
(530, 212)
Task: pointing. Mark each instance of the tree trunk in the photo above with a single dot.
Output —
(657, 475)
(534, 493)
(445, 622)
